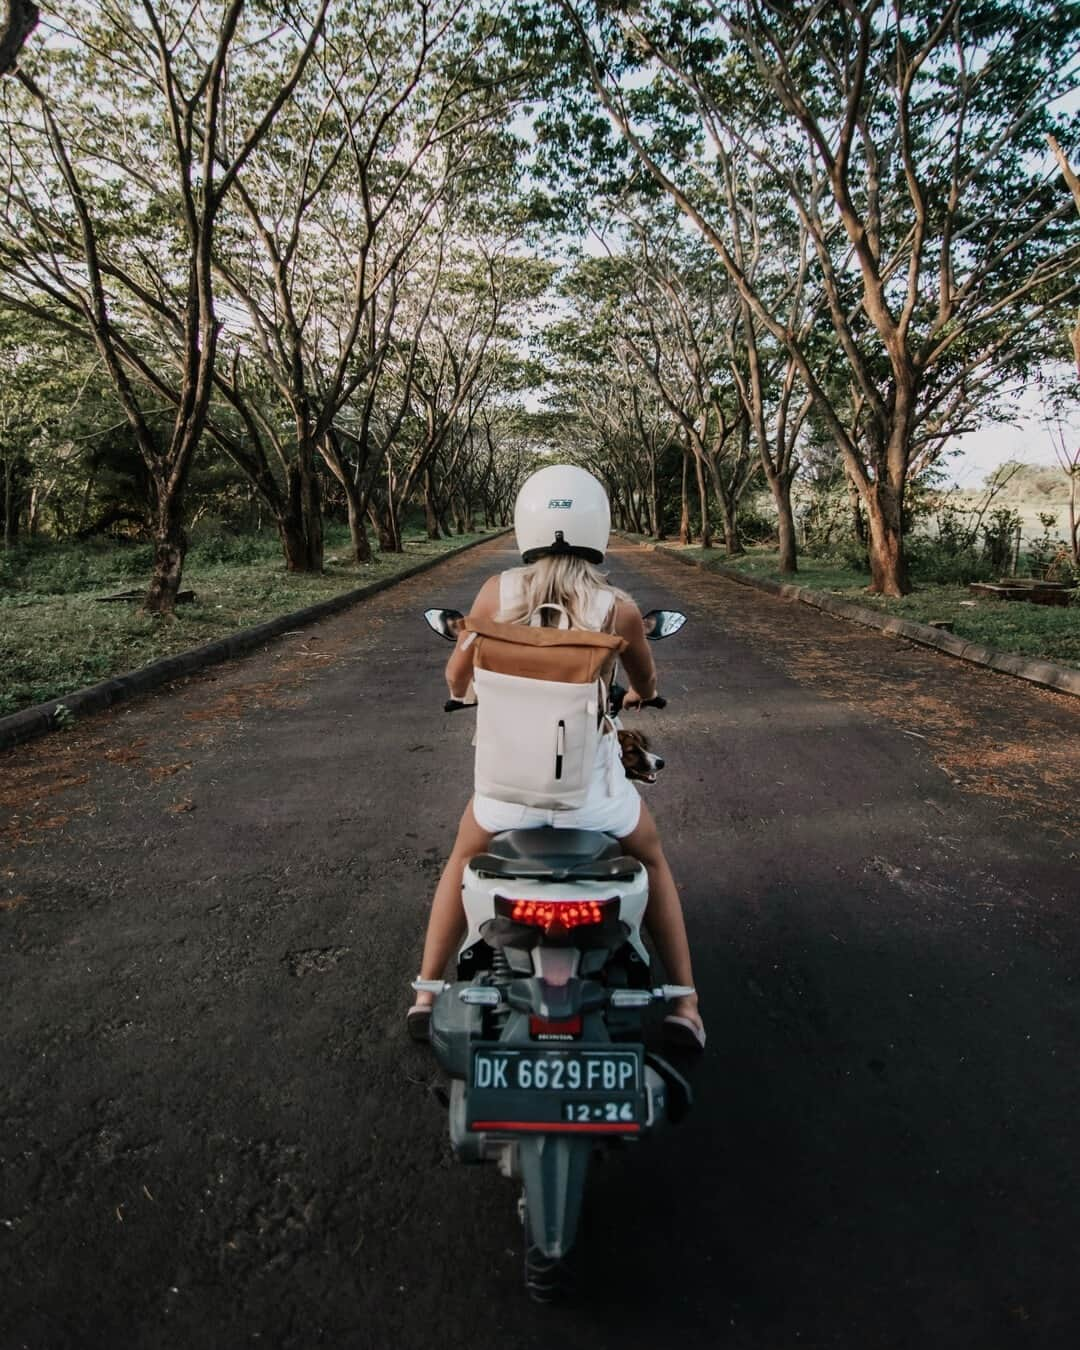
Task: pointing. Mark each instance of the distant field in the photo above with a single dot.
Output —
(1047, 495)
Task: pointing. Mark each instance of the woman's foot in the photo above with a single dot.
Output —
(683, 1027)
(418, 1018)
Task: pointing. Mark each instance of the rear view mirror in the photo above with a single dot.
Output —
(662, 623)
(446, 622)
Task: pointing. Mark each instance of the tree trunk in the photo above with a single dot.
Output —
(385, 521)
(888, 567)
(20, 20)
(299, 526)
(431, 514)
(858, 520)
(330, 449)
(729, 511)
(634, 507)
(785, 523)
(88, 492)
(11, 510)
(301, 529)
(361, 545)
(684, 518)
(379, 525)
(170, 547)
(294, 543)
(703, 499)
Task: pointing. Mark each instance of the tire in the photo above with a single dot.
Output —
(547, 1279)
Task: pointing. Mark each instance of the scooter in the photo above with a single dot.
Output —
(541, 1032)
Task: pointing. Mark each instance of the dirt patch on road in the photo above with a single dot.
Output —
(42, 780)
(28, 797)
(988, 732)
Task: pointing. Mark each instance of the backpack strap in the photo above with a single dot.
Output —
(522, 635)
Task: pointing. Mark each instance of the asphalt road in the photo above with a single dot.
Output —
(214, 1133)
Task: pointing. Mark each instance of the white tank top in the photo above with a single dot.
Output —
(598, 617)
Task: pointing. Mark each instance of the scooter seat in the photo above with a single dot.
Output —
(558, 854)
(560, 848)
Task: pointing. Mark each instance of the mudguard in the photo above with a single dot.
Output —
(553, 1172)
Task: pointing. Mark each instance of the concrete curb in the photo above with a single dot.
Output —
(41, 719)
(1062, 679)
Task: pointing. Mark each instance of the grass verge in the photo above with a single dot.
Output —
(1047, 632)
(55, 637)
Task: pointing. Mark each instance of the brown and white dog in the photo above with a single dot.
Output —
(639, 762)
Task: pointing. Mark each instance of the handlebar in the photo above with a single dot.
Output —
(617, 696)
(617, 693)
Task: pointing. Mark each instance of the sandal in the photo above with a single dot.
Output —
(418, 1021)
(682, 1033)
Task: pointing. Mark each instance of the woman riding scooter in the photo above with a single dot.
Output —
(562, 522)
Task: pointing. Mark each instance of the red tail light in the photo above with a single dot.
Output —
(556, 916)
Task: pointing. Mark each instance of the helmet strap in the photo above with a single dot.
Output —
(561, 549)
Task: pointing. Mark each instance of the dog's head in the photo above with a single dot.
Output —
(640, 764)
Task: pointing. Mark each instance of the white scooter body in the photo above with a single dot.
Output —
(479, 892)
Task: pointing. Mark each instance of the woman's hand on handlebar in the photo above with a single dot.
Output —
(632, 700)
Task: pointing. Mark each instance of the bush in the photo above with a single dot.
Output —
(132, 560)
(11, 567)
(218, 544)
(929, 561)
(755, 527)
(998, 533)
(953, 556)
(43, 567)
(850, 553)
(1049, 556)
(223, 547)
(824, 521)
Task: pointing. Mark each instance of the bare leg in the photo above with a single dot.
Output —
(664, 916)
(446, 926)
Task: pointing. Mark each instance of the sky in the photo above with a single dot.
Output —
(1029, 440)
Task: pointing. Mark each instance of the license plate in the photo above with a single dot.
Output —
(555, 1090)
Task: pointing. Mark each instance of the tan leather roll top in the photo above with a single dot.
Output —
(567, 655)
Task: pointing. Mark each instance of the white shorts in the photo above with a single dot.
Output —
(612, 805)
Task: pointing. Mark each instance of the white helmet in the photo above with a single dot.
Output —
(562, 509)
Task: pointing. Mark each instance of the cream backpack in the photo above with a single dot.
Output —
(541, 705)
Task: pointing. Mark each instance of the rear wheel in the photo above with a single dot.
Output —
(547, 1279)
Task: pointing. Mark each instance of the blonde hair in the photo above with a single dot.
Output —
(560, 579)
